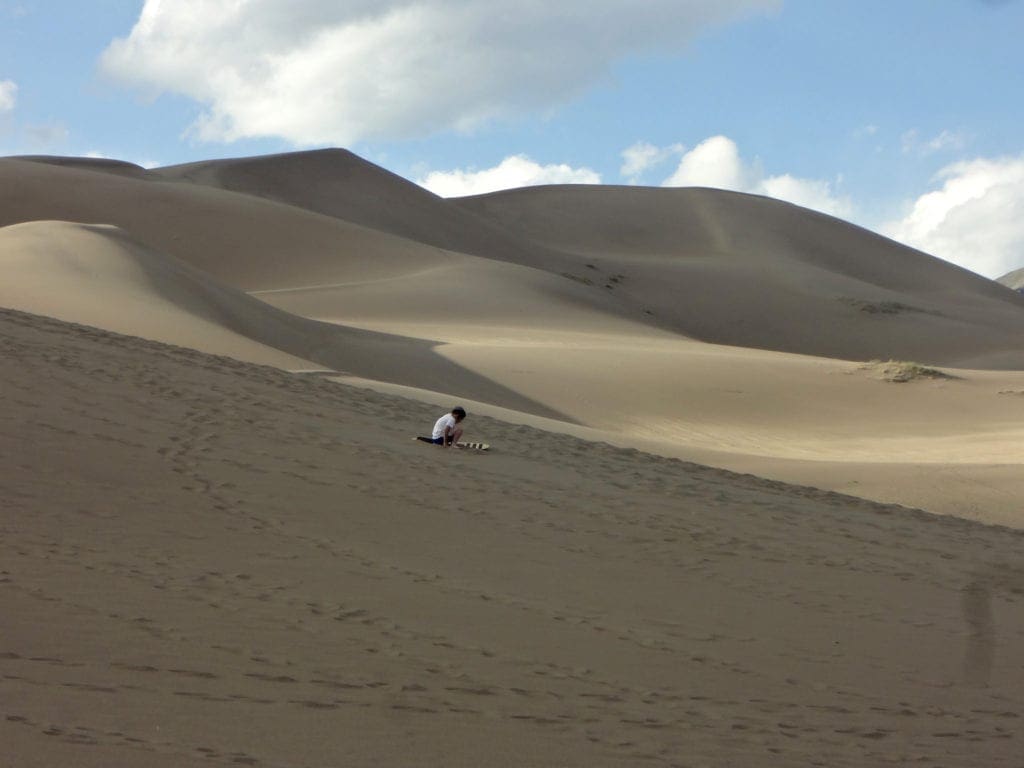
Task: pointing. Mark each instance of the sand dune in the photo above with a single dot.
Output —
(97, 275)
(949, 445)
(242, 240)
(337, 183)
(744, 270)
(721, 267)
(1013, 280)
(592, 306)
(206, 562)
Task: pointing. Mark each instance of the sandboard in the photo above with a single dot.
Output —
(465, 445)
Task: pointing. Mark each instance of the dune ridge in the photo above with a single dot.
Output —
(241, 240)
(745, 270)
(1013, 280)
(340, 184)
(98, 275)
(720, 267)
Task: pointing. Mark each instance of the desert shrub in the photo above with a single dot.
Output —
(902, 371)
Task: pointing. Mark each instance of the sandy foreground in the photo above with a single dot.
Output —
(208, 562)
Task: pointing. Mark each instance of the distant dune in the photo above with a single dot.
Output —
(1013, 280)
(97, 275)
(337, 183)
(744, 270)
(714, 326)
(242, 240)
(720, 267)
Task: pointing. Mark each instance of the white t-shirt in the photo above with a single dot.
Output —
(445, 421)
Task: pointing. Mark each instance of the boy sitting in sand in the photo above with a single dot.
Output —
(447, 431)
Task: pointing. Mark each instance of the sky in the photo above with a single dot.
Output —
(903, 116)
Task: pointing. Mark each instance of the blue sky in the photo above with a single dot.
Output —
(902, 115)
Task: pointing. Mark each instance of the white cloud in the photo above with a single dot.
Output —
(512, 172)
(716, 162)
(976, 218)
(643, 156)
(912, 142)
(339, 71)
(8, 95)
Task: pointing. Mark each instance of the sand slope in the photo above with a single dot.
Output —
(96, 275)
(1013, 280)
(210, 563)
(99, 276)
(750, 271)
(337, 183)
(952, 445)
(242, 240)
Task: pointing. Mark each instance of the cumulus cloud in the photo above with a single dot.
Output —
(716, 162)
(338, 71)
(642, 156)
(8, 95)
(974, 219)
(515, 171)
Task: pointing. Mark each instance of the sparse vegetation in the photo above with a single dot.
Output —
(882, 307)
(578, 278)
(901, 371)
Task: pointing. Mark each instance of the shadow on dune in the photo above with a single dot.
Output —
(100, 275)
(354, 351)
(414, 363)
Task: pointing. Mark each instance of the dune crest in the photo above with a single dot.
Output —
(1013, 280)
(722, 267)
(98, 275)
(94, 274)
(744, 270)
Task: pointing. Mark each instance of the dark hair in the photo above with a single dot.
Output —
(459, 411)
